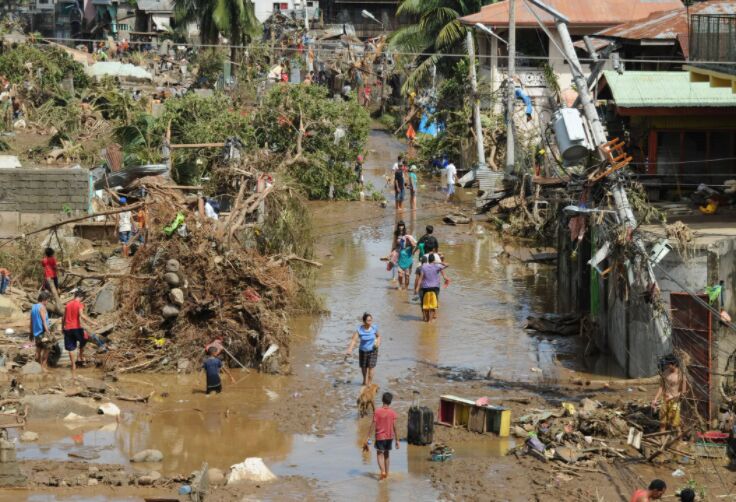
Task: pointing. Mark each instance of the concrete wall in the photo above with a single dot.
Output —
(31, 198)
(573, 274)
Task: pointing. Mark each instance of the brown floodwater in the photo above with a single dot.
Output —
(480, 328)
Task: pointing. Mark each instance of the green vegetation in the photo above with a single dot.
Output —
(437, 31)
(320, 137)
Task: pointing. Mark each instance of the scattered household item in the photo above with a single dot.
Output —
(460, 412)
(420, 425)
(441, 452)
(251, 469)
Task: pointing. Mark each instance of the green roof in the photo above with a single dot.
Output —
(665, 89)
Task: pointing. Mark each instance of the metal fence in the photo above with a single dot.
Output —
(713, 41)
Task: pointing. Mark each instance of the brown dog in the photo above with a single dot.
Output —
(366, 398)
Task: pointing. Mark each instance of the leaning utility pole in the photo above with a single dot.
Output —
(510, 87)
(620, 198)
(476, 102)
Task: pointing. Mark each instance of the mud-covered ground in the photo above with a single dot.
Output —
(305, 425)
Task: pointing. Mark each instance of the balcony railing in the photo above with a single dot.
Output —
(713, 42)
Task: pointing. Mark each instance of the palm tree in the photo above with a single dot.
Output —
(436, 31)
(233, 19)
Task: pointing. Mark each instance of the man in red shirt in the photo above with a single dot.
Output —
(384, 423)
(73, 332)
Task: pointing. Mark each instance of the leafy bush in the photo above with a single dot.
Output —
(22, 63)
(323, 136)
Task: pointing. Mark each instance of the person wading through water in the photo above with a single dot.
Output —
(428, 287)
(368, 339)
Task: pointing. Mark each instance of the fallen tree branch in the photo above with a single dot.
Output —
(135, 399)
(142, 365)
(293, 257)
(72, 220)
(108, 276)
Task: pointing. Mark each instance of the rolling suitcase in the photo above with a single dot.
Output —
(421, 425)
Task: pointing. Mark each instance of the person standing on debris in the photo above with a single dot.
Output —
(40, 328)
(384, 425)
(6, 281)
(212, 366)
(451, 174)
(74, 336)
(399, 186)
(50, 271)
(655, 492)
(368, 339)
(671, 390)
(429, 287)
(140, 223)
(125, 226)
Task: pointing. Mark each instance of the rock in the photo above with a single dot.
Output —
(148, 456)
(149, 478)
(566, 454)
(93, 470)
(109, 409)
(10, 312)
(172, 265)
(29, 436)
(81, 480)
(53, 406)
(177, 296)
(106, 300)
(251, 469)
(182, 365)
(117, 264)
(32, 368)
(215, 476)
(170, 311)
(588, 405)
(172, 279)
(118, 478)
(73, 417)
(92, 482)
(520, 432)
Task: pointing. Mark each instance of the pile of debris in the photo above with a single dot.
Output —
(579, 436)
(192, 285)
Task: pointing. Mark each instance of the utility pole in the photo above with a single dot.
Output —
(510, 87)
(476, 102)
(620, 198)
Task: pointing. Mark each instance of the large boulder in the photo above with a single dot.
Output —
(106, 299)
(147, 456)
(10, 312)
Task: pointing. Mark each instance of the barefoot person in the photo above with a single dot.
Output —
(384, 425)
(427, 286)
(74, 336)
(40, 329)
(671, 390)
(50, 272)
(369, 340)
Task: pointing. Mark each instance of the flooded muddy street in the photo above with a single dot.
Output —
(305, 425)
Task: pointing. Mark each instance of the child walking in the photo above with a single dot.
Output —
(212, 366)
(384, 424)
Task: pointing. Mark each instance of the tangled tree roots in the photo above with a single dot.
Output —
(190, 290)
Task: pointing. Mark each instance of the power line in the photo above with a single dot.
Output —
(317, 50)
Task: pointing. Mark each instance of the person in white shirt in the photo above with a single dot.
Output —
(451, 174)
(125, 225)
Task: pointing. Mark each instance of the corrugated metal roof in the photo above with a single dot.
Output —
(664, 89)
(669, 25)
(156, 5)
(590, 13)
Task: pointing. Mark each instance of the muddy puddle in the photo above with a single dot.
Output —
(480, 328)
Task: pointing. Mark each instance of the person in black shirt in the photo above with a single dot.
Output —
(428, 243)
(399, 188)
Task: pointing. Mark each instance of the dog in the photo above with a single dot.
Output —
(366, 398)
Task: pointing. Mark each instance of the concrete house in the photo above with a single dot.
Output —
(535, 48)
